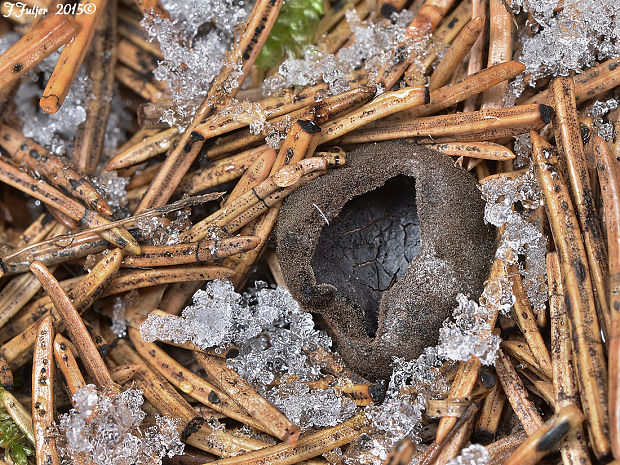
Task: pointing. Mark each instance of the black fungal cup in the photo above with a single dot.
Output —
(381, 247)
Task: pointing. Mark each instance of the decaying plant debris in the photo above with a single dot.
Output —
(355, 232)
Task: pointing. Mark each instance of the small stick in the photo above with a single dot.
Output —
(72, 55)
(585, 330)
(43, 394)
(244, 51)
(546, 437)
(51, 33)
(517, 395)
(75, 326)
(307, 447)
(68, 365)
(37, 159)
(574, 448)
(608, 170)
(147, 148)
(12, 176)
(474, 126)
(500, 50)
(460, 47)
(199, 252)
(90, 135)
(524, 316)
(568, 139)
(244, 394)
(490, 414)
(479, 150)
(402, 452)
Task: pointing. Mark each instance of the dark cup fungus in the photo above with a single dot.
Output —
(405, 236)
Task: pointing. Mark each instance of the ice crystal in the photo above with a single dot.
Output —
(520, 237)
(373, 46)
(193, 42)
(164, 231)
(112, 188)
(106, 428)
(570, 34)
(470, 334)
(119, 325)
(274, 337)
(474, 454)
(599, 111)
(311, 407)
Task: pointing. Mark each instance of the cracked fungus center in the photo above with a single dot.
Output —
(370, 243)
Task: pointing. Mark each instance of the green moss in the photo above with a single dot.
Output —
(12, 439)
(293, 30)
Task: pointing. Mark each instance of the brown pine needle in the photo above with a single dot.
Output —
(37, 159)
(198, 252)
(43, 393)
(568, 139)
(587, 345)
(517, 395)
(65, 360)
(51, 33)
(243, 394)
(49, 195)
(245, 50)
(460, 47)
(75, 326)
(72, 56)
(609, 178)
(546, 437)
(480, 150)
(574, 448)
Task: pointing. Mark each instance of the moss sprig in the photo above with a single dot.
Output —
(13, 441)
(293, 30)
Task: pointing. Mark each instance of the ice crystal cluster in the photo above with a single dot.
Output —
(106, 428)
(56, 131)
(521, 237)
(372, 47)
(113, 188)
(193, 43)
(599, 110)
(164, 231)
(470, 333)
(568, 34)
(475, 454)
(119, 325)
(273, 335)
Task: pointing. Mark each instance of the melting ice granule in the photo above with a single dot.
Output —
(119, 325)
(112, 188)
(106, 428)
(475, 454)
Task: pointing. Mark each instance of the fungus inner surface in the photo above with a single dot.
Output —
(369, 246)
